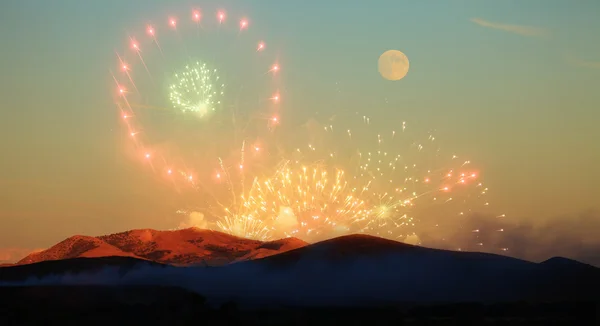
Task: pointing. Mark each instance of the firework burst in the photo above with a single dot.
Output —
(360, 180)
(306, 202)
(197, 89)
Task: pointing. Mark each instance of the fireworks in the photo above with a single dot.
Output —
(257, 178)
(357, 181)
(161, 88)
(197, 89)
(294, 201)
(201, 154)
(405, 179)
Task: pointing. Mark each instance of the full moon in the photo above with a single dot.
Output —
(393, 65)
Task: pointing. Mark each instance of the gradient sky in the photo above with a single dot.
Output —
(513, 84)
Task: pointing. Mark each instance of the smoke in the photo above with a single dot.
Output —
(286, 218)
(574, 237)
(194, 219)
(412, 239)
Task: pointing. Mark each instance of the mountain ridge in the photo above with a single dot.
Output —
(183, 247)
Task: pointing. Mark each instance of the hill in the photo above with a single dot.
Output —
(347, 271)
(184, 247)
(73, 247)
(356, 266)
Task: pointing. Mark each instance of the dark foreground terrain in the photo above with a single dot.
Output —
(155, 305)
(378, 281)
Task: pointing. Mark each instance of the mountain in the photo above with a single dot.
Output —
(73, 247)
(567, 264)
(184, 247)
(357, 266)
(346, 271)
(343, 248)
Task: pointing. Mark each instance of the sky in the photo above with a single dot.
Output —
(508, 83)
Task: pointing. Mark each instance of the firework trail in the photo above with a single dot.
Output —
(152, 33)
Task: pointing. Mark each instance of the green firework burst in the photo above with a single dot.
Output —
(196, 89)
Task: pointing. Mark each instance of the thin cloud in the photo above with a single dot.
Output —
(517, 29)
(577, 62)
(570, 236)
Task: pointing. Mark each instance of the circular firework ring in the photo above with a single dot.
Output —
(200, 101)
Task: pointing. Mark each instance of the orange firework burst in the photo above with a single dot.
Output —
(357, 180)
